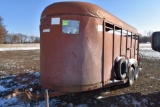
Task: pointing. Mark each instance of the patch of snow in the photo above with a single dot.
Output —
(146, 49)
(70, 105)
(132, 61)
(95, 102)
(9, 80)
(31, 72)
(110, 81)
(19, 48)
(116, 80)
(2, 72)
(144, 45)
(154, 78)
(147, 52)
(151, 103)
(24, 79)
(2, 88)
(145, 101)
(113, 105)
(100, 97)
(36, 74)
(6, 102)
(124, 100)
(31, 89)
(82, 105)
(136, 103)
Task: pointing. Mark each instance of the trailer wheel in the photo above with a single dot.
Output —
(130, 76)
(136, 72)
(121, 69)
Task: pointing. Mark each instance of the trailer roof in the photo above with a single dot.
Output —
(86, 9)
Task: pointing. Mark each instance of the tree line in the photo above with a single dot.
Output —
(6, 37)
(3, 31)
(146, 37)
(20, 38)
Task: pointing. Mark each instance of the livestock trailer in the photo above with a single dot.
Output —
(83, 47)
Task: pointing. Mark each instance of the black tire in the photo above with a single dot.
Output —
(130, 76)
(121, 69)
(136, 72)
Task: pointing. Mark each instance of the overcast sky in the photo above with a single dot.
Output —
(23, 16)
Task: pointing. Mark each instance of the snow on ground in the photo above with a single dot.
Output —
(145, 49)
(7, 85)
(147, 52)
(11, 82)
(23, 48)
(2, 88)
(13, 47)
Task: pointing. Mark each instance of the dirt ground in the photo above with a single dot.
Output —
(143, 93)
(15, 62)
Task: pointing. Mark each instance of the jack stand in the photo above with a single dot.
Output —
(47, 98)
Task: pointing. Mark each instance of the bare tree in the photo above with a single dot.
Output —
(31, 39)
(9, 38)
(25, 38)
(37, 40)
(16, 39)
(149, 33)
(3, 31)
(146, 37)
(21, 38)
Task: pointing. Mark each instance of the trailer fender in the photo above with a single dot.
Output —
(136, 71)
(118, 58)
(130, 76)
(134, 64)
(121, 69)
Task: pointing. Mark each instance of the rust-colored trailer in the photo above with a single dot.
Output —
(83, 47)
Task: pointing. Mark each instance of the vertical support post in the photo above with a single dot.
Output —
(113, 36)
(131, 46)
(47, 98)
(126, 42)
(103, 37)
(134, 46)
(138, 49)
(121, 43)
(113, 46)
